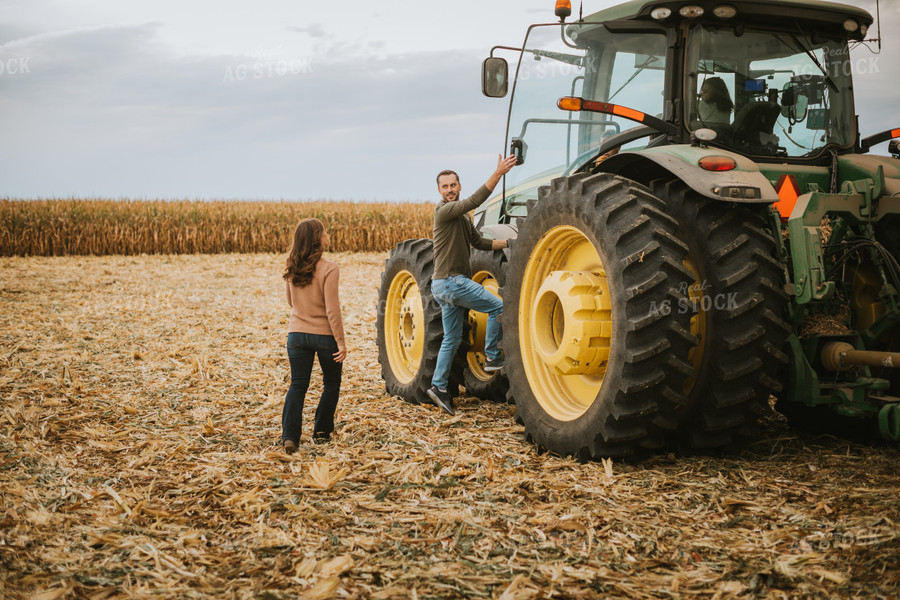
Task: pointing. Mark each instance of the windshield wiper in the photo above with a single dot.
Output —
(812, 57)
(572, 59)
(650, 60)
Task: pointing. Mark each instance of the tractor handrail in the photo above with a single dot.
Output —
(883, 136)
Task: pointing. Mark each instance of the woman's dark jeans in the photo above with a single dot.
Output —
(302, 348)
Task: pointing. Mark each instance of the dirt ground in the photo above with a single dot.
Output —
(140, 404)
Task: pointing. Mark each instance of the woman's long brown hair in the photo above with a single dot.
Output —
(305, 253)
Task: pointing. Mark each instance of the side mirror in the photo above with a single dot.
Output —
(494, 77)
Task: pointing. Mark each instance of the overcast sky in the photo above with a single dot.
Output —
(273, 99)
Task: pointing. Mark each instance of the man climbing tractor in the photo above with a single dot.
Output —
(451, 284)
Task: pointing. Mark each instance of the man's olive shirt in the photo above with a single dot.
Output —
(454, 233)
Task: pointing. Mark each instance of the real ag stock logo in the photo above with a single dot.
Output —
(695, 298)
(14, 65)
(266, 63)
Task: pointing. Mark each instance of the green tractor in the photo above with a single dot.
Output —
(699, 230)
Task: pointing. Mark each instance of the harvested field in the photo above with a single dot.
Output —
(139, 458)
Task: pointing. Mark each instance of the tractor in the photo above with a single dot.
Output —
(698, 234)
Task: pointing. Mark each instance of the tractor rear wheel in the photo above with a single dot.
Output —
(488, 269)
(408, 323)
(737, 303)
(594, 350)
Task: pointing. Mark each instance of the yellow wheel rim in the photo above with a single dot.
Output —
(478, 325)
(404, 326)
(565, 322)
(698, 326)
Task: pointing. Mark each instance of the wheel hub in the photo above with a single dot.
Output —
(407, 324)
(404, 325)
(561, 322)
(572, 324)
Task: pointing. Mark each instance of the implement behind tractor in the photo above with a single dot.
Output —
(699, 228)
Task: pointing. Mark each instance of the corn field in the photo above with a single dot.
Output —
(130, 227)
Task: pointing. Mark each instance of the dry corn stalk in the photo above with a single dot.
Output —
(101, 227)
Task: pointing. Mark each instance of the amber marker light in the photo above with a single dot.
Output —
(717, 163)
(575, 104)
(563, 9)
(569, 103)
(895, 133)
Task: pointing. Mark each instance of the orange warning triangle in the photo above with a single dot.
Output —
(788, 192)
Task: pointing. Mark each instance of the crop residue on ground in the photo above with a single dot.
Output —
(140, 400)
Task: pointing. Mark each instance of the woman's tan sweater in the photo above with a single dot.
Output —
(316, 308)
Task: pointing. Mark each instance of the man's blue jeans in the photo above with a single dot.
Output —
(456, 295)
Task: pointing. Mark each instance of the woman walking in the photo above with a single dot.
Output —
(315, 329)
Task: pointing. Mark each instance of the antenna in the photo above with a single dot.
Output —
(581, 8)
(878, 16)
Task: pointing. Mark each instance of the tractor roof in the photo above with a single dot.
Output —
(747, 10)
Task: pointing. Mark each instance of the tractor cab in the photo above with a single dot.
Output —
(767, 80)
(770, 94)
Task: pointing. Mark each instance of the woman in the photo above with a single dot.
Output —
(715, 104)
(315, 328)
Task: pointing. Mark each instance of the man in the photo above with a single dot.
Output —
(451, 283)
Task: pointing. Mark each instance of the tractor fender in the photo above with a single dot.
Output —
(745, 183)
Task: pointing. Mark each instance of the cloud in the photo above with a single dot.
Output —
(109, 111)
(9, 33)
(114, 111)
(314, 30)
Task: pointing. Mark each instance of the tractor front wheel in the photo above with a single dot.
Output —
(408, 323)
(488, 269)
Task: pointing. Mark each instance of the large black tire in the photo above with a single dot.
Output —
(595, 255)
(408, 323)
(739, 307)
(489, 270)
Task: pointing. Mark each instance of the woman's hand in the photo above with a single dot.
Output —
(340, 355)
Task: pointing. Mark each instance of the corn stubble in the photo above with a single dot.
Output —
(140, 458)
(131, 227)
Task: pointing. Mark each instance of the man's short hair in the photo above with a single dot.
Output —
(447, 172)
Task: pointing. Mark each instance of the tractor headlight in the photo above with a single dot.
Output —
(851, 25)
(725, 11)
(661, 13)
(703, 135)
(691, 11)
